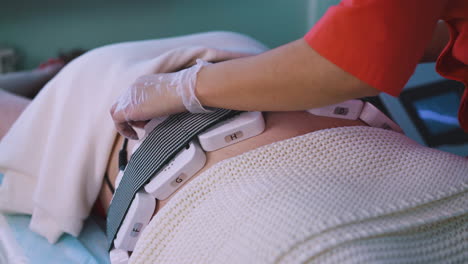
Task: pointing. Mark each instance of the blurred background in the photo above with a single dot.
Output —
(38, 30)
(32, 32)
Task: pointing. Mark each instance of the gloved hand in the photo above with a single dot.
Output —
(157, 95)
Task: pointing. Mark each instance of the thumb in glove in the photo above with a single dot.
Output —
(157, 95)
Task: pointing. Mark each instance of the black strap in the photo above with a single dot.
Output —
(161, 145)
(123, 157)
(108, 182)
(122, 164)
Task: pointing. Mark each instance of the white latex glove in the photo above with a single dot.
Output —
(157, 95)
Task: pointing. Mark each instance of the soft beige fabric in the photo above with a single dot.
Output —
(55, 155)
(342, 195)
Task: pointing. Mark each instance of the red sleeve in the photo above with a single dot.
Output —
(378, 41)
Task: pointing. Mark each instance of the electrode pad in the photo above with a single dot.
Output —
(233, 130)
(355, 109)
(138, 216)
(118, 256)
(372, 116)
(185, 164)
(347, 110)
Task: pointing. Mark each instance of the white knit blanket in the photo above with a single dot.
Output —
(55, 155)
(342, 195)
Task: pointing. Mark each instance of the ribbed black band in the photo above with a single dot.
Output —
(161, 145)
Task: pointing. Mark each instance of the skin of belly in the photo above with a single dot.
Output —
(278, 126)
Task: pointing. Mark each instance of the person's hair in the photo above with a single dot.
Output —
(70, 55)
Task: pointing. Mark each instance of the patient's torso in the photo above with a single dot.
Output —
(278, 126)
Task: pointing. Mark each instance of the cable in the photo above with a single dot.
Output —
(123, 155)
(122, 164)
(111, 187)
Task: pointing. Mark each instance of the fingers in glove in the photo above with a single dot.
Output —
(156, 95)
(121, 124)
(126, 130)
(139, 124)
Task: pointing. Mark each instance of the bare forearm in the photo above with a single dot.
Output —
(291, 77)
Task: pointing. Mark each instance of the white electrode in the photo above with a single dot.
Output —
(118, 256)
(346, 110)
(372, 116)
(356, 109)
(138, 216)
(177, 171)
(233, 130)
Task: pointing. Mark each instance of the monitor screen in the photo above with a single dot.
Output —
(433, 108)
(439, 113)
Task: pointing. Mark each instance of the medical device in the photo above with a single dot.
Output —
(174, 174)
(346, 110)
(356, 109)
(138, 216)
(372, 116)
(233, 130)
(118, 256)
(429, 112)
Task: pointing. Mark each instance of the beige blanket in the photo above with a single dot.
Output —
(341, 195)
(55, 155)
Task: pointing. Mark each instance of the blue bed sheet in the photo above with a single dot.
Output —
(88, 248)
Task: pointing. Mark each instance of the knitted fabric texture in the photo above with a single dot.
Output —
(341, 195)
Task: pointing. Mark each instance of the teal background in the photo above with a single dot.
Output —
(38, 30)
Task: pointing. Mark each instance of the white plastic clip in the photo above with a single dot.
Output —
(173, 175)
(118, 256)
(233, 130)
(138, 216)
(372, 116)
(356, 109)
(346, 110)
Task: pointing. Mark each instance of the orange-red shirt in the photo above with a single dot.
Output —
(381, 41)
